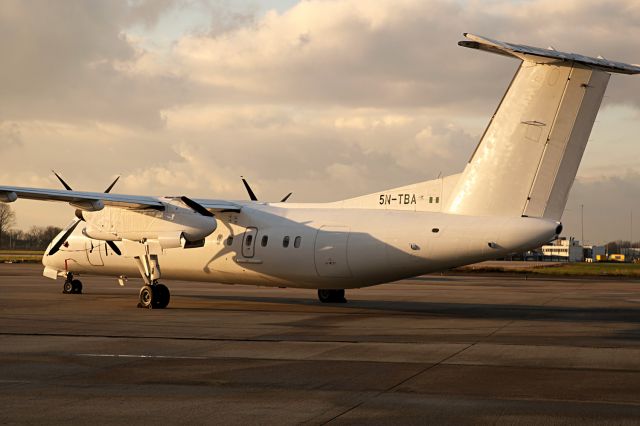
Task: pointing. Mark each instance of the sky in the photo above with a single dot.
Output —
(328, 99)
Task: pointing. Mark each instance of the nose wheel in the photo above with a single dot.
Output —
(331, 296)
(72, 286)
(154, 296)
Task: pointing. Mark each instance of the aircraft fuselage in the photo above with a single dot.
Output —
(315, 247)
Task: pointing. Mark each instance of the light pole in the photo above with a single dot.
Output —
(582, 224)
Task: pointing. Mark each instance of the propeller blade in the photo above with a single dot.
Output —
(68, 188)
(286, 197)
(198, 208)
(64, 237)
(249, 190)
(106, 191)
(114, 247)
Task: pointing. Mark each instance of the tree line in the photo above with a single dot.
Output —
(36, 238)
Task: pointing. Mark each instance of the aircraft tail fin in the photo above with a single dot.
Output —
(527, 159)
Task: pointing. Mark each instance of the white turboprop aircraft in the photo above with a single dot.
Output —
(510, 197)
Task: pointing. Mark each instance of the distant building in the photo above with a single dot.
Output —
(591, 253)
(630, 254)
(563, 250)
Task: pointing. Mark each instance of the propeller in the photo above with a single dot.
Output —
(56, 247)
(106, 191)
(196, 207)
(61, 241)
(252, 195)
(68, 188)
(114, 247)
(286, 197)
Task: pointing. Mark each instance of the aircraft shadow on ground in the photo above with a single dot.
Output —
(489, 311)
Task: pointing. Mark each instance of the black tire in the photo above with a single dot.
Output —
(338, 296)
(67, 287)
(145, 297)
(161, 296)
(76, 287)
(331, 296)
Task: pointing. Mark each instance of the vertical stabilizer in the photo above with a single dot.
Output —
(528, 157)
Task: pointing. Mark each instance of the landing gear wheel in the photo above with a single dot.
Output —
(146, 297)
(67, 288)
(331, 296)
(155, 296)
(161, 296)
(76, 287)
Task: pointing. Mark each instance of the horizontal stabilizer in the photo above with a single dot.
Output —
(539, 55)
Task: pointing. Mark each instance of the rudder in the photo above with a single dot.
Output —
(527, 159)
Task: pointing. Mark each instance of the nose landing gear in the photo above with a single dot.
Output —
(71, 286)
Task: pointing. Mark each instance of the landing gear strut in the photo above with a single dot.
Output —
(331, 296)
(153, 295)
(72, 286)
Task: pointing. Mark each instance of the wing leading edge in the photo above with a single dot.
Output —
(97, 200)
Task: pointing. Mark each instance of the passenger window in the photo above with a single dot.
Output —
(430, 199)
(297, 241)
(265, 240)
(437, 199)
(248, 240)
(230, 240)
(285, 242)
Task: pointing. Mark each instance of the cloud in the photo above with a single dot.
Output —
(10, 134)
(329, 99)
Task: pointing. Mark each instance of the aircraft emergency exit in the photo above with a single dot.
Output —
(510, 197)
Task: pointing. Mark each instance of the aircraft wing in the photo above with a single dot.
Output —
(95, 200)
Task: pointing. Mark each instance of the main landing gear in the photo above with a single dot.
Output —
(331, 296)
(153, 295)
(71, 286)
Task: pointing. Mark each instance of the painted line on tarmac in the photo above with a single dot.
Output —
(140, 356)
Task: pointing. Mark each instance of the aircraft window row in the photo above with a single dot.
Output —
(437, 199)
(297, 241)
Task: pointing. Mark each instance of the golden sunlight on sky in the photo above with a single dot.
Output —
(328, 99)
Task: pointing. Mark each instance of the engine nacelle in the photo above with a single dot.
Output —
(89, 205)
(8, 196)
(168, 241)
(97, 234)
(172, 227)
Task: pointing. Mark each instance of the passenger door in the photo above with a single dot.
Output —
(331, 251)
(249, 242)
